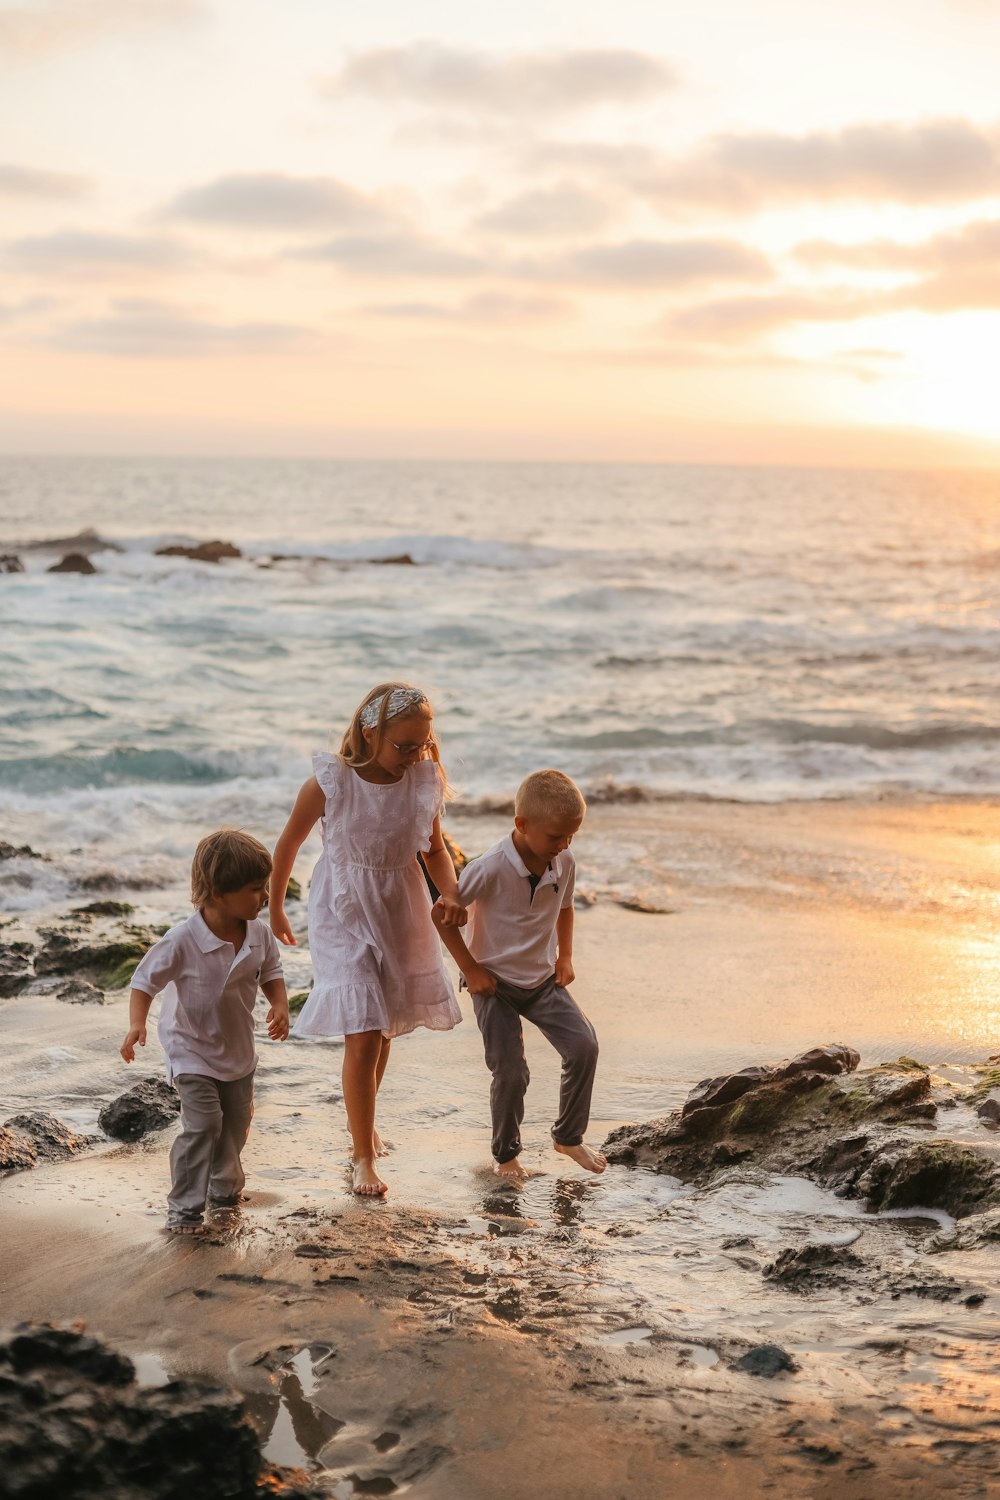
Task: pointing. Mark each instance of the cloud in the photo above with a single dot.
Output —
(563, 209)
(399, 254)
(30, 182)
(78, 252)
(28, 307)
(484, 307)
(934, 161)
(648, 263)
(276, 201)
(742, 317)
(529, 84)
(144, 329)
(975, 244)
(44, 26)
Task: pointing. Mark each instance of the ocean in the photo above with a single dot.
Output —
(761, 635)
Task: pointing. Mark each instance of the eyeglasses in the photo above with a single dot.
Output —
(409, 748)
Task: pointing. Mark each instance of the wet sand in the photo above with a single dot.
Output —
(578, 1338)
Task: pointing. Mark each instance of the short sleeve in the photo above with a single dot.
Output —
(428, 780)
(474, 881)
(569, 886)
(326, 769)
(157, 967)
(271, 967)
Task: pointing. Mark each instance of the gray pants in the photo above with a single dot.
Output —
(558, 1017)
(205, 1161)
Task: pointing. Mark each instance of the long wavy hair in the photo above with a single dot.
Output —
(357, 752)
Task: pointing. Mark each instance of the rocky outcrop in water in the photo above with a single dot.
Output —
(75, 1425)
(73, 562)
(84, 542)
(108, 961)
(210, 552)
(27, 1139)
(151, 1104)
(816, 1117)
(15, 967)
(10, 563)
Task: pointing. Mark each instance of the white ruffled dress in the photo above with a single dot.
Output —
(377, 960)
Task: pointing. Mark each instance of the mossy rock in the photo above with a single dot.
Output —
(296, 1002)
(932, 1174)
(293, 890)
(989, 1079)
(104, 909)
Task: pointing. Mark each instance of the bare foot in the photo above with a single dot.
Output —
(511, 1170)
(367, 1182)
(594, 1161)
(184, 1228)
(382, 1148)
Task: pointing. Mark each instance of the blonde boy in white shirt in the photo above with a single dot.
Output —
(518, 961)
(209, 969)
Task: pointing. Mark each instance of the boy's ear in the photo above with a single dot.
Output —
(519, 824)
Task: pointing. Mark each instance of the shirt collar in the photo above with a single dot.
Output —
(203, 934)
(553, 873)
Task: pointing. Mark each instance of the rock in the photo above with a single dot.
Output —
(63, 953)
(812, 1265)
(74, 1424)
(989, 1110)
(15, 967)
(211, 552)
(27, 1139)
(104, 909)
(973, 1231)
(399, 560)
(23, 851)
(80, 992)
(293, 891)
(929, 1174)
(458, 858)
(84, 542)
(10, 563)
(151, 1104)
(639, 903)
(73, 562)
(767, 1360)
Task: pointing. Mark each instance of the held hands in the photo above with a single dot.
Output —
(135, 1035)
(565, 973)
(277, 1022)
(448, 912)
(281, 927)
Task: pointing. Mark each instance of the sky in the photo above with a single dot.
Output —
(639, 230)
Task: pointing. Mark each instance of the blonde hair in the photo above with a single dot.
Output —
(549, 793)
(357, 752)
(226, 861)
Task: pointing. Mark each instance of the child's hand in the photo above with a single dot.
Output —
(135, 1035)
(281, 928)
(449, 912)
(565, 973)
(277, 1023)
(480, 981)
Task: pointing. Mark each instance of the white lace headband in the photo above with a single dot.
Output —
(400, 700)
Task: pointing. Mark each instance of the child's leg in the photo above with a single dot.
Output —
(193, 1150)
(503, 1039)
(361, 1075)
(227, 1180)
(557, 1015)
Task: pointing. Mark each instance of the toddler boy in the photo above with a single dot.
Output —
(209, 969)
(519, 960)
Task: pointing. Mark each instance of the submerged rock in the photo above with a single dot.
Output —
(211, 552)
(27, 1139)
(73, 562)
(15, 967)
(74, 1424)
(812, 1118)
(151, 1104)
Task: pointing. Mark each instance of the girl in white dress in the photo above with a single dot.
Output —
(378, 969)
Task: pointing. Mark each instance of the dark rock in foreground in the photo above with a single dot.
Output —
(11, 563)
(74, 1425)
(73, 562)
(109, 962)
(80, 992)
(810, 1118)
(151, 1104)
(27, 1139)
(768, 1360)
(211, 552)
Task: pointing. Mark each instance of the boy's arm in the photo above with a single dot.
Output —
(138, 1009)
(479, 980)
(309, 807)
(277, 1016)
(565, 973)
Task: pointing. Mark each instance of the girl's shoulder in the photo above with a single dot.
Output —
(328, 770)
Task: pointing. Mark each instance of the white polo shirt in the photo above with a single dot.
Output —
(512, 932)
(206, 1013)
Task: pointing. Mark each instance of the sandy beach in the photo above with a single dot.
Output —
(580, 1335)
